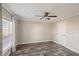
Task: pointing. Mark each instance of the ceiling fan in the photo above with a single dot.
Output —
(47, 16)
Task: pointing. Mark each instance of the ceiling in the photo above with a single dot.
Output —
(28, 11)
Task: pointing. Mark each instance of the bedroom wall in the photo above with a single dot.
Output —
(71, 33)
(32, 32)
(54, 32)
(59, 32)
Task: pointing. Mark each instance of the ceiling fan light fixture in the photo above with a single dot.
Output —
(48, 18)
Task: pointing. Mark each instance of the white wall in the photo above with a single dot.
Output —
(54, 32)
(59, 32)
(73, 33)
(31, 32)
(70, 35)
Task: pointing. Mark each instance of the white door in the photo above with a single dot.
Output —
(61, 32)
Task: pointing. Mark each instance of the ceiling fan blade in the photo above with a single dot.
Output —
(52, 16)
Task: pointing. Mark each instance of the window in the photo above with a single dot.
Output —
(7, 33)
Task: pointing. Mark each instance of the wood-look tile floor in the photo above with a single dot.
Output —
(43, 49)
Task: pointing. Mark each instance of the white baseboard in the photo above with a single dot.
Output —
(34, 42)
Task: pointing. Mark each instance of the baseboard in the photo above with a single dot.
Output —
(34, 42)
(68, 47)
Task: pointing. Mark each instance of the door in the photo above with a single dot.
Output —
(61, 30)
